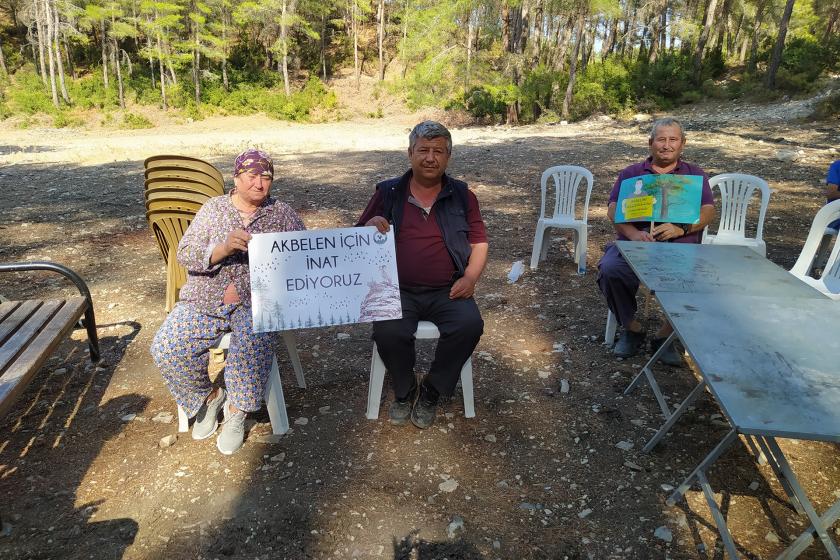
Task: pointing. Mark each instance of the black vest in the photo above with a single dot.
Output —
(450, 210)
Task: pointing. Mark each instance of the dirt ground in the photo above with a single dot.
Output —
(537, 473)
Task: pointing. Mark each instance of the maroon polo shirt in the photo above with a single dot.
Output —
(422, 257)
(646, 168)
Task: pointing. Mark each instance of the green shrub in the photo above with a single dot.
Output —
(806, 57)
(486, 101)
(63, 119)
(27, 94)
(133, 121)
(89, 92)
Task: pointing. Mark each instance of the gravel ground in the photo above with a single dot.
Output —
(551, 467)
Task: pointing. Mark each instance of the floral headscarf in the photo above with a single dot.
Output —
(253, 161)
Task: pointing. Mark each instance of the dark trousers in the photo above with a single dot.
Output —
(619, 284)
(460, 325)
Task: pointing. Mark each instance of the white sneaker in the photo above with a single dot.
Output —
(233, 432)
(207, 419)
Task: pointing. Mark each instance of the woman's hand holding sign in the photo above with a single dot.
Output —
(236, 240)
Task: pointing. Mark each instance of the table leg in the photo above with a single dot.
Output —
(648, 373)
(806, 539)
(816, 521)
(760, 456)
(723, 530)
(780, 476)
(669, 423)
(728, 440)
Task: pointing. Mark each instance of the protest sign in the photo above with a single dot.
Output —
(323, 277)
(660, 198)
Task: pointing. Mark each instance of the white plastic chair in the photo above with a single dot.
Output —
(829, 282)
(736, 192)
(274, 400)
(609, 333)
(566, 180)
(425, 330)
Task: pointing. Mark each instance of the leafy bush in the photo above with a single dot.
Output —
(28, 94)
(134, 121)
(246, 99)
(64, 119)
(89, 92)
(486, 101)
(806, 58)
(664, 81)
(604, 87)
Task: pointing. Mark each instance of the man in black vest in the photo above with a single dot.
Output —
(441, 245)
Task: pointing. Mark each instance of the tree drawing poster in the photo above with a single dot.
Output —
(660, 198)
(324, 277)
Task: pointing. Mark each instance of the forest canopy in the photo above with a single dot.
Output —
(508, 61)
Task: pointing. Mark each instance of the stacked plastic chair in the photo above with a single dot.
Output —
(175, 188)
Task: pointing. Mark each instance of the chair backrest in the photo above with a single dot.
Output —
(178, 199)
(168, 224)
(186, 162)
(165, 205)
(186, 185)
(736, 193)
(831, 271)
(566, 181)
(183, 173)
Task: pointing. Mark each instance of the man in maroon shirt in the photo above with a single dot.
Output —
(441, 246)
(615, 279)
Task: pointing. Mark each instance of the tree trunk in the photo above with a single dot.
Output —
(118, 67)
(656, 26)
(324, 46)
(564, 35)
(723, 23)
(470, 31)
(69, 59)
(284, 33)
(355, 28)
(380, 15)
(50, 55)
(609, 44)
(588, 44)
(3, 67)
(104, 54)
(732, 38)
(536, 40)
(162, 72)
(745, 43)
(829, 26)
(759, 16)
(151, 58)
(704, 38)
(42, 56)
(225, 82)
(629, 29)
(567, 100)
(57, 42)
(776, 58)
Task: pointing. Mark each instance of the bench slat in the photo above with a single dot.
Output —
(6, 309)
(61, 317)
(14, 320)
(26, 331)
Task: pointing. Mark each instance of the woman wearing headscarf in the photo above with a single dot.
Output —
(216, 299)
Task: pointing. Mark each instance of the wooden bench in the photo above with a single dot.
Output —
(31, 330)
